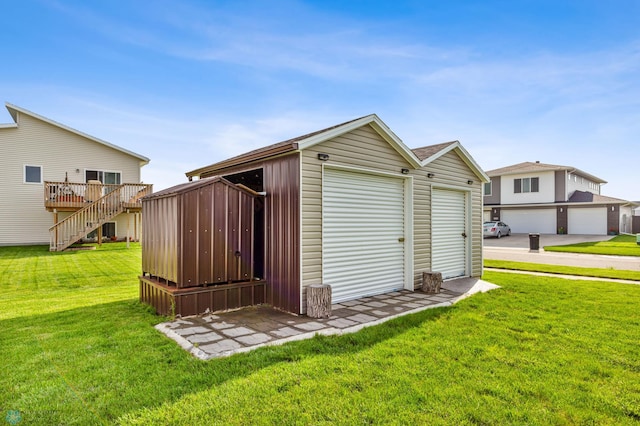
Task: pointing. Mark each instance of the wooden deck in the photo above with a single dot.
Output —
(68, 196)
(92, 204)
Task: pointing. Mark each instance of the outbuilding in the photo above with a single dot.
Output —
(350, 206)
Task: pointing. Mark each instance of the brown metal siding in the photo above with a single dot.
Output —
(197, 300)
(281, 182)
(204, 235)
(160, 244)
(189, 244)
(282, 260)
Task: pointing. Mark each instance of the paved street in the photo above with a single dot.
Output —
(516, 248)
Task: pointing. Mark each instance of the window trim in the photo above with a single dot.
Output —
(484, 189)
(526, 185)
(102, 171)
(24, 174)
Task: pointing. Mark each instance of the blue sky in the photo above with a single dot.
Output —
(188, 83)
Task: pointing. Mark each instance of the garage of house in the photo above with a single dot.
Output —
(542, 221)
(353, 207)
(587, 220)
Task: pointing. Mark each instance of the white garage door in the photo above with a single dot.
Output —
(588, 221)
(363, 234)
(448, 233)
(542, 221)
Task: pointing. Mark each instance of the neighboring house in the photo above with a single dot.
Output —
(53, 175)
(550, 199)
(350, 206)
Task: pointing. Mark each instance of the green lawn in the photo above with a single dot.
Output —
(621, 245)
(560, 269)
(78, 349)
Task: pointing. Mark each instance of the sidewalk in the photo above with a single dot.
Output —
(569, 277)
(627, 263)
(223, 334)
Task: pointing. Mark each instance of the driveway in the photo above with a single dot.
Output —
(516, 248)
(522, 240)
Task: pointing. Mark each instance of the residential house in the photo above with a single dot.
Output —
(534, 197)
(350, 206)
(58, 184)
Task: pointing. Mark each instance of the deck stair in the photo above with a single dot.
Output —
(95, 214)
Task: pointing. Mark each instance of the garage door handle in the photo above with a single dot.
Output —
(401, 240)
(464, 235)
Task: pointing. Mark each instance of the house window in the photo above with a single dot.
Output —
(32, 174)
(526, 185)
(107, 178)
(487, 188)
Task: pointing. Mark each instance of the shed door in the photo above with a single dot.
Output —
(448, 233)
(363, 234)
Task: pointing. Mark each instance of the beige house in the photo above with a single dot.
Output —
(350, 206)
(54, 175)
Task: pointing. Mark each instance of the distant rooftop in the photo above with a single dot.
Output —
(532, 167)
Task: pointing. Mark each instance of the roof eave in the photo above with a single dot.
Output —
(464, 155)
(377, 124)
(243, 159)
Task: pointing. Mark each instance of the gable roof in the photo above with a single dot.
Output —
(417, 158)
(14, 110)
(531, 167)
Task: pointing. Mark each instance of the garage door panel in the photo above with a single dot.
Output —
(587, 221)
(448, 246)
(363, 219)
(542, 221)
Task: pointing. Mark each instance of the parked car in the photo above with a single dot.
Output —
(495, 229)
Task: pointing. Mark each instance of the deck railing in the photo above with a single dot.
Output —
(78, 195)
(100, 203)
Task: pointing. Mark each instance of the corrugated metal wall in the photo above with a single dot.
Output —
(160, 239)
(281, 181)
(201, 235)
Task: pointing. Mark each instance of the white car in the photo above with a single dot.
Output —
(495, 229)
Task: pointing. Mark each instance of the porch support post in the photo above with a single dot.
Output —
(55, 220)
(128, 227)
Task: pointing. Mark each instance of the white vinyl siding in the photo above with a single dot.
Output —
(365, 148)
(449, 239)
(542, 221)
(587, 221)
(60, 153)
(448, 171)
(363, 234)
(362, 148)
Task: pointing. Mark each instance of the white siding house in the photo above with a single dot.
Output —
(549, 199)
(39, 155)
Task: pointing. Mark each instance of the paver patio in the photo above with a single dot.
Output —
(223, 334)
